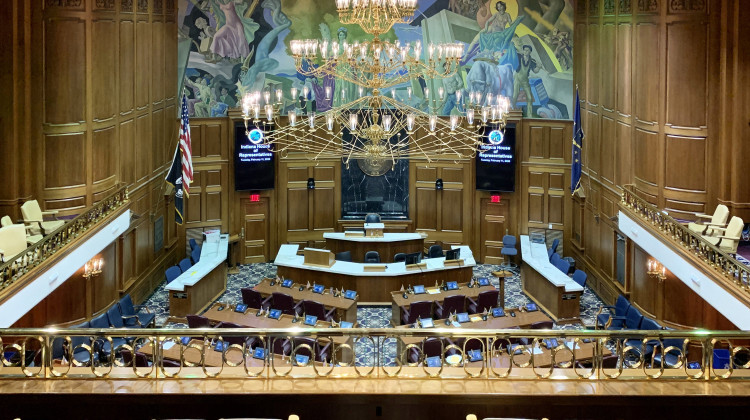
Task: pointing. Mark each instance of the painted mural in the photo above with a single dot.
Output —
(521, 49)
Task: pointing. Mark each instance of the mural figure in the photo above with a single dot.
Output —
(349, 89)
(234, 31)
(560, 41)
(206, 37)
(452, 84)
(485, 77)
(202, 93)
(497, 35)
(526, 64)
(263, 61)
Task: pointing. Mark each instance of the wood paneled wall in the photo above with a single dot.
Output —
(661, 110)
(91, 104)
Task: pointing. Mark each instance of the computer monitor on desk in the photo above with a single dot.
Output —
(413, 258)
(452, 254)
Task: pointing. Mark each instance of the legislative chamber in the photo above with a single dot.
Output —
(397, 209)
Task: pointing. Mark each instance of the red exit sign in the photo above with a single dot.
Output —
(254, 197)
(494, 199)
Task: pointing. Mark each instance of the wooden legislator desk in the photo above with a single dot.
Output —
(398, 302)
(550, 288)
(346, 309)
(203, 283)
(372, 286)
(387, 246)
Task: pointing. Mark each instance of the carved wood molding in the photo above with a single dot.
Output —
(158, 6)
(682, 6)
(126, 6)
(142, 6)
(609, 7)
(593, 7)
(76, 4)
(648, 6)
(625, 7)
(581, 7)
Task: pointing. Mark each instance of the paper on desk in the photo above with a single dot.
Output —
(168, 345)
(433, 263)
(433, 291)
(456, 324)
(569, 344)
(537, 350)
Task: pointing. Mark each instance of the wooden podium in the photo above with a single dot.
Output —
(374, 230)
(319, 257)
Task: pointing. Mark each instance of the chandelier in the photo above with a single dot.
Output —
(378, 127)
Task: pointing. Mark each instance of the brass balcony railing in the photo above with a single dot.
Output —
(375, 353)
(36, 254)
(737, 274)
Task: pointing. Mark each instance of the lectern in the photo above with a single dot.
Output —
(374, 230)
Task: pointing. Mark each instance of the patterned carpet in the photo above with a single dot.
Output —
(368, 316)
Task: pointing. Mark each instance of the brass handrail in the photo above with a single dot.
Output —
(13, 269)
(719, 261)
(578, 354)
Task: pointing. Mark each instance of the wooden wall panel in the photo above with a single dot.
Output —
(142, 63)
(607, 51)
(324, 215)
(298, 209)
(65, 86)
(105, 152)
(687, 74)
(67, 172)
(426, 214)
(623, 68)
(126, 66)
(451, 216)
(646, 166)
(686, 163)
(648, 60)
(103, 55)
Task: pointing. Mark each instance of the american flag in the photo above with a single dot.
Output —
(186, 149)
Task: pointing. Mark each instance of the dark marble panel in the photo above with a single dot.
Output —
(387, 194)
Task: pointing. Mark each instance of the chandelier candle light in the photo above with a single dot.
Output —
(377, 125)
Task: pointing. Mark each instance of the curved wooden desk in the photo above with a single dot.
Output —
(371, 286)
(387, 246)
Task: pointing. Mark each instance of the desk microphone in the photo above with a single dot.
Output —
(405, 295)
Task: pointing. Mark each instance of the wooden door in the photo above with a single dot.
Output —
(255, 244)
(493, 216)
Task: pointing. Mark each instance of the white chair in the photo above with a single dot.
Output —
(718, 219)
(729, 241)
(12, 241)
(33, 215)
(30, 238)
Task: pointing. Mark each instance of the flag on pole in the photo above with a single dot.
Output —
(186, 148)
(575, 162)
(174, 178)
(180, 173)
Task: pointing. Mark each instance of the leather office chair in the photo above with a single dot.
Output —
(133, 319)
(141, 360)
(372, 218)
(195, 255)
(33, 215)
(670, 358)
(455, 303)
(542, 325)
(185, 264)
(322, 352)
(80, 353)
(344, 256)
(372, 257)
(172, 273)
(705, 227)
(198, 321)
(435, 251)
(231, 340)
(617, 311)
(509, 249)
(415, 311)
(399, 257)
(284, 303)
(253, 299)
(431, 347)
(580, 277)
(485, 301)
(317, 309)
(730, 237)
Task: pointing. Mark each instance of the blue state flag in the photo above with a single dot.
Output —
(575, 162)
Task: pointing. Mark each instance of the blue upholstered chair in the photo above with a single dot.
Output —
(185, 264)
(509, 249)
(81, 354)
(133, 319)
(101, 345)
(580, 277)
(563, 265)
(172, 273)
(196, 255)
(193, 244)
(554, 259)
(615, 315)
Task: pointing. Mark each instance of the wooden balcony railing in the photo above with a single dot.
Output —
(721, 263)
(14, 269)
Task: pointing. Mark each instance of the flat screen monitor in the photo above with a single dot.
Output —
(413, 258)
(253, 159)
(496, 163)
(452, 254)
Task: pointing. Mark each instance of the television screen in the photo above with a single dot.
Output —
(253, 160)
(496, 163)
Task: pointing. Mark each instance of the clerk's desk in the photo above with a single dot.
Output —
(387, 246)
(203, 283)
(549, 287)
(372, 286)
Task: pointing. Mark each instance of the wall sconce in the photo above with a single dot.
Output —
(439, 184)
(656, 270)
(310, 183)
(93, 268)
